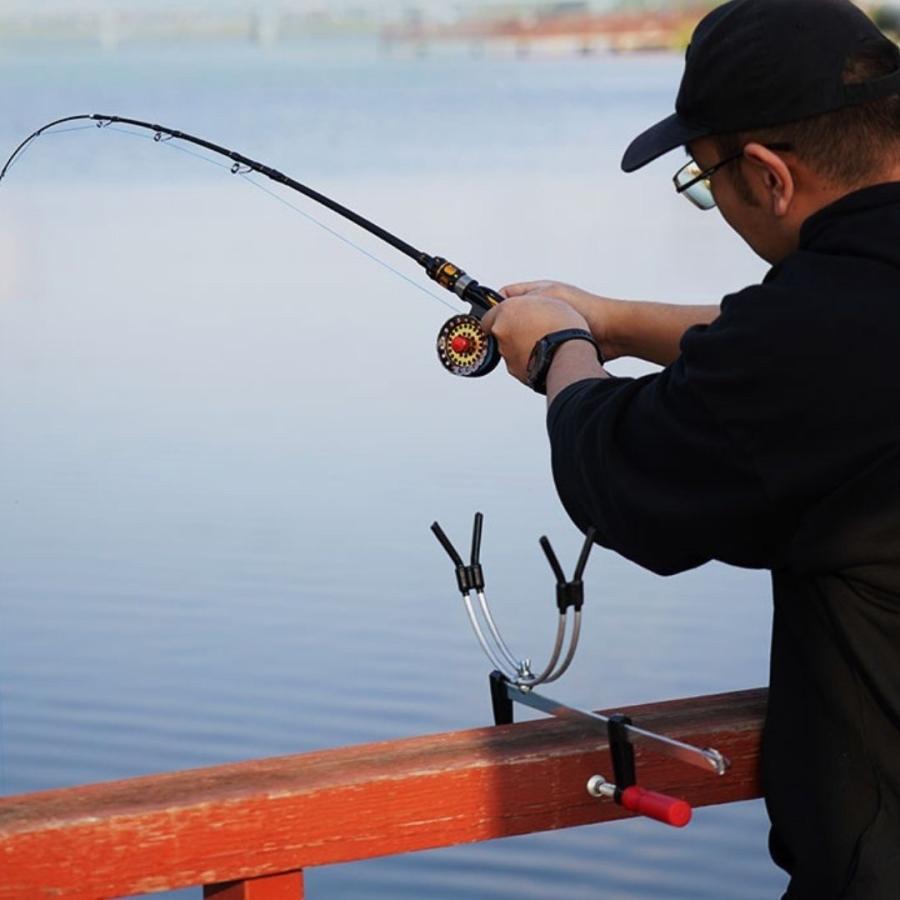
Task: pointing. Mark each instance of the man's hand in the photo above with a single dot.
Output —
(605, 317)
(520, 322)
(565, 292)
(650, 331)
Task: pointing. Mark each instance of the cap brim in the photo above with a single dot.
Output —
(660, 139)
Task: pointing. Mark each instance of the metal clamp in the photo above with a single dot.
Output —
(622, 734)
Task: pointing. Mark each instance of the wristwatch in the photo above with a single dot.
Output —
(545, 349)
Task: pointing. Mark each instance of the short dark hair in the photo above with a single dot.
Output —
(848, 146)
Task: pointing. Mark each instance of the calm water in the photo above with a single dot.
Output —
(223, 435)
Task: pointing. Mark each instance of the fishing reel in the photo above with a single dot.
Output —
(463, 346)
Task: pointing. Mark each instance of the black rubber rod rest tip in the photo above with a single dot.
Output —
(476, 538)
(445, 543)
(551, 558)
(585, 553)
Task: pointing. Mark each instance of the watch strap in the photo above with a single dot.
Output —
(545, 349)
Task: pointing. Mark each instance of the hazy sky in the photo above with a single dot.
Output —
(250, 4)
(335, 5)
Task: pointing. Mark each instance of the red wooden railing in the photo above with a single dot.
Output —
(246, 831)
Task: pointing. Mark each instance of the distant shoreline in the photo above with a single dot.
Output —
(367, 44)
(511, 31)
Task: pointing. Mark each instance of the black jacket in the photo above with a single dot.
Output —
(774, 442)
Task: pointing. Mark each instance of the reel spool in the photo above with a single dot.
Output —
(465, 349)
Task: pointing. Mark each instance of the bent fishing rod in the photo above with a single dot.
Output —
(463, 346)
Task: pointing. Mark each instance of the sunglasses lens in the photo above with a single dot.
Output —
(700, 192)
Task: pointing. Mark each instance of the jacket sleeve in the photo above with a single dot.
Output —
(646, 463)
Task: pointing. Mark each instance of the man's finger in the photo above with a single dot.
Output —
(521, 287)
(487, 320)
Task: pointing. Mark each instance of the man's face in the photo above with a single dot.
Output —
(747, 207)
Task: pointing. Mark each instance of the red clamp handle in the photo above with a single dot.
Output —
(669, 810)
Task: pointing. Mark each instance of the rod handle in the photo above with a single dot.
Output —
(665, 809)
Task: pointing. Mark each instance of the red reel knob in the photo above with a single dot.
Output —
(461, 344)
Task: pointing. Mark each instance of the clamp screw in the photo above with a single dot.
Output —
(600, 788)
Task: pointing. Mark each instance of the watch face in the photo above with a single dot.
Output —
(545, 349)
(536, 361)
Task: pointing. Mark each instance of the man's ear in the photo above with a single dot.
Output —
(774, 181)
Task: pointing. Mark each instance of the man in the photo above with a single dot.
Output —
(771, 439)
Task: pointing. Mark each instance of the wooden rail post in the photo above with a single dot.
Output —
(287, 886)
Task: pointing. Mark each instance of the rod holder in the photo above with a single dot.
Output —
(512, 681)
(569, 595)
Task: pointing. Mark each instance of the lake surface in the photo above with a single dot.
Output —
(224, 434)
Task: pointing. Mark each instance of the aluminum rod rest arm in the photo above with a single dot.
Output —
(470, 579)
(704, 758)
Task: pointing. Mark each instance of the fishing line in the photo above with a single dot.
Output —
(308, 216)
(171, 145)
(145, 137)
(48, 133)
(464, 348)
(71, 128)
(345, 239)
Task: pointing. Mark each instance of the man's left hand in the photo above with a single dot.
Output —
(520, 322)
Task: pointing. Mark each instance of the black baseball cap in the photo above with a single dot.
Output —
(758, 63)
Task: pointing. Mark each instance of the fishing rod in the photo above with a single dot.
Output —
(463, 346)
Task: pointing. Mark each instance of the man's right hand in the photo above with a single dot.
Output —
(603, 314)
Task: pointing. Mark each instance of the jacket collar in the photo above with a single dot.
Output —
(864, 200)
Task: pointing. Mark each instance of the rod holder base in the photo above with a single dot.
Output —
(501, 704)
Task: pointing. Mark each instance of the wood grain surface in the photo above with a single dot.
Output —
(270, 816)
